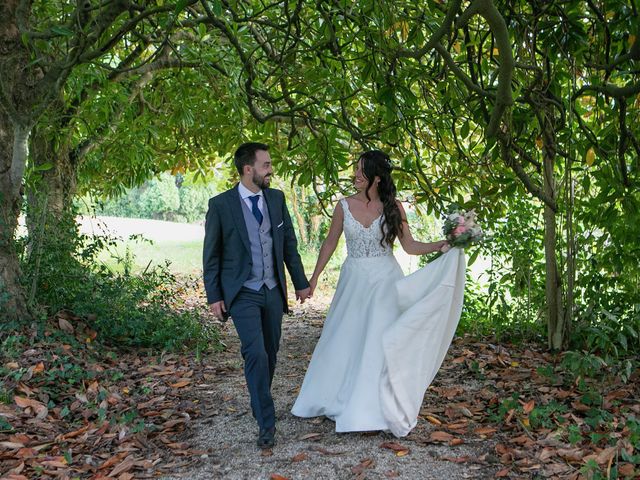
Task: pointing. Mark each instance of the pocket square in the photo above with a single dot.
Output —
(281, 223)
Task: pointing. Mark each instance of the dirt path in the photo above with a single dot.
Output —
(310, 449)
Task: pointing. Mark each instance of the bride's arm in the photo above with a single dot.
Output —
(328, 245)
(411, 245)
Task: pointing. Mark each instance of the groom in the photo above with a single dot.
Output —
(248, 238)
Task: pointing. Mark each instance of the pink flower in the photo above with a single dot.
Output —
(460, 220)
(459, 230)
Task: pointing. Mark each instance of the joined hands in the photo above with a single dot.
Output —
(303, 294)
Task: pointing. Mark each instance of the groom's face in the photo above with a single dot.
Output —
(262, 170)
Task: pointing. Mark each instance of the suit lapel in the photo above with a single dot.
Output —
(270, 206)
(273, 209)
(235, 207)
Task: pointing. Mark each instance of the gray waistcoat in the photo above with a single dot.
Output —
(262, 266)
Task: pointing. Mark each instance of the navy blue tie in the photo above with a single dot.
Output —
(254, 208)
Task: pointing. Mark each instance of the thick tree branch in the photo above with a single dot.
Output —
(611, 90)
(444, 53)
(512, 162)
(504, 97)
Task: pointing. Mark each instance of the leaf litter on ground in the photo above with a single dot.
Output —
(79, 410)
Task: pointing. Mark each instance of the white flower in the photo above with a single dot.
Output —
(469, 223)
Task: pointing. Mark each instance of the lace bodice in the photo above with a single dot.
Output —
(363, 241)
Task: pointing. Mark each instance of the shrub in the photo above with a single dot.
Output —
(144, 310)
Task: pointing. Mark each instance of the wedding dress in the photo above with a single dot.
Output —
(384, 338)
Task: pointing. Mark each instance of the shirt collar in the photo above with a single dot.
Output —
(245, 192)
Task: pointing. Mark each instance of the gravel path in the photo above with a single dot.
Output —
(308, 448)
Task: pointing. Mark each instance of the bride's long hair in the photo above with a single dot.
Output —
(376, 163)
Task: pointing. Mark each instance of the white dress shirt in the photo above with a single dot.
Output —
(245, 193)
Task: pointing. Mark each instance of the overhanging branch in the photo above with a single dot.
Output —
(512, 162)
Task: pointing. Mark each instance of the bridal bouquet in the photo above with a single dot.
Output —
(460, 227)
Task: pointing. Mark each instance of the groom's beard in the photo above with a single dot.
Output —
(260, 181)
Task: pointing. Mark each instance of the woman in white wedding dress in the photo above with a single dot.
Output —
(385, 335)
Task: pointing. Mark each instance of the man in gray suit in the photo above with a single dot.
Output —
(248, 239)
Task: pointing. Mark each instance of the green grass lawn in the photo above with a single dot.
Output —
(185, 257)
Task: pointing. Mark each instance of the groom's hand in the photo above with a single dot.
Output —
(219, 310)
(302, 295)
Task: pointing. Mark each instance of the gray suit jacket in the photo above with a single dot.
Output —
(227, 252)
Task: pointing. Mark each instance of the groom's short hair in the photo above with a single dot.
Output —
(246, 154)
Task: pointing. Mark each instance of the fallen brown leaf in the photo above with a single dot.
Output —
(11, 445)
(180, 384)
(440, 437)
(112, 460)
(324, 451)
(300, 457)
(486, 431)
(362, 466)
(23, 402)
(571, 454)
(56, 462)
(626, 469)
(432, 419)
(39, 368)
(396, 447)
(458, 459)
(528, 407)
(125, 466)
(501, 449)
(65, 325)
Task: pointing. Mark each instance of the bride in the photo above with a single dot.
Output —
(385, 335)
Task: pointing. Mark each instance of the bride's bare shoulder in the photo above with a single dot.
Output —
(349, 199)
(340, 208)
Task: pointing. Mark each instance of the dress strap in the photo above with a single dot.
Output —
(345, 206)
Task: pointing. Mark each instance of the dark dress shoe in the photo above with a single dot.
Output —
(266, 438)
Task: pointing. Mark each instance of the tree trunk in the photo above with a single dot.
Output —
(53, 186)
(18, 100)
(553, 289)
(302, 225)
(553, 284)
(13, 153)
(571, 258)
(50, 193)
